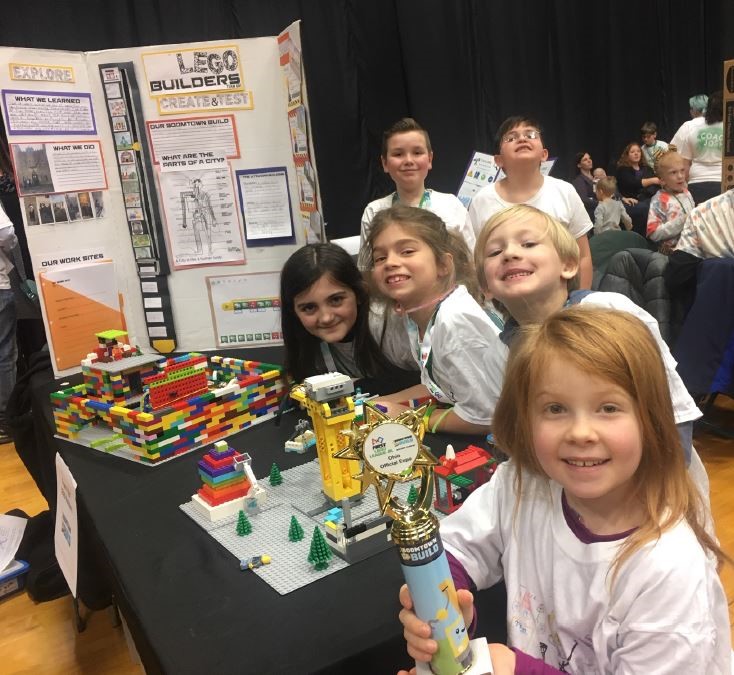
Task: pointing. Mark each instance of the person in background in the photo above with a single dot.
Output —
(637, 184)
(610, 212)
(520, 152)
(701, 142)
(8, 346)
(584, 181)
(670, 205)
(651, 146)
(708, 232)
(407, 156)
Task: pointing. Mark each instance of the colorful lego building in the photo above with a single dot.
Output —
(331, 408)
(192, 401)
(456, 477)
(224, 483)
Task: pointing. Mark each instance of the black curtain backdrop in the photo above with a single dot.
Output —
(591, 72)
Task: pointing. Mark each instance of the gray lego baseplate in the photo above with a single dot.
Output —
(299, 495)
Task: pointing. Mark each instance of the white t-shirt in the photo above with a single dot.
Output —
(684, 407)
(445, 206)
(556, 197)
(467, 357)
(666, 613)
(703, 144)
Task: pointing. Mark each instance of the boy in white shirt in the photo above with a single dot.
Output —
(520, 151)
(407, 156)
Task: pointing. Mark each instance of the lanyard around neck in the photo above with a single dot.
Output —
(424, 203)
(425, 352)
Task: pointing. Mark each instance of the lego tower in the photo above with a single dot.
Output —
(331, 408)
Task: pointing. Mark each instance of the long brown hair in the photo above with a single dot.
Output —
(617, 347)
(624, 158)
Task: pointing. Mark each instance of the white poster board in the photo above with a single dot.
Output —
(90, 134)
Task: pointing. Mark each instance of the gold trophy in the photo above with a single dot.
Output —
(392, 451)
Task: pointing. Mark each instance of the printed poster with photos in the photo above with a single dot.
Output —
(42, 168)
(246, 309)
(201, 212)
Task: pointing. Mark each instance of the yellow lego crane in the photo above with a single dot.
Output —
(328, 402)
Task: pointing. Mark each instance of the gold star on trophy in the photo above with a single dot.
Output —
(391, 451)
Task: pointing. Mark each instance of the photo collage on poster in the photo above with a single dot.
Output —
(54, 209)
(128, 164)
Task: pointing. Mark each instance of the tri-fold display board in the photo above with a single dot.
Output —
(184, 175)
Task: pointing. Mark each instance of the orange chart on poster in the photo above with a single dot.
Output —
(79, 302)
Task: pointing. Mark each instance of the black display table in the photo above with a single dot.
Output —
(189, 607)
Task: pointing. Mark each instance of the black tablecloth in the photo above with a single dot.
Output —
(189, 607)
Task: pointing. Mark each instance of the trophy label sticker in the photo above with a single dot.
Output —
(390, 448)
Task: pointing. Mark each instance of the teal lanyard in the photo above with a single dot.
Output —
(425, 352)
(424, 203)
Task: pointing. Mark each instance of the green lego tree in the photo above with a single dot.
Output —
(320, 553)
(244, 526)
(275, 477)
(412, 495)
(295, 532)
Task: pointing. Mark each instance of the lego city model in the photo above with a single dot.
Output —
(150, 408)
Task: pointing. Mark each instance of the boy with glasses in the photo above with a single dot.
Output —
(520, 152)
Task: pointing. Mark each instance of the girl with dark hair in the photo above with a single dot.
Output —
(584, 181)
(327, 321)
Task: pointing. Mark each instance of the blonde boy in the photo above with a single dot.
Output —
(609, 212)
(529, 262)
(670, 206)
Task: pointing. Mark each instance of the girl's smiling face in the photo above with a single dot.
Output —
(405, 268)
(587, 437)
(327, 309)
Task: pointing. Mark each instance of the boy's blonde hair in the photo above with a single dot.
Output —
(449, 248)
(616, 347)
(607, 185)
(563, 241)
(665, 159)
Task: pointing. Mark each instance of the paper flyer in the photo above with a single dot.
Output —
(198, 200)
(79, 301)
(11, 534)
(66, 532)
(266, 204)
(246, 309)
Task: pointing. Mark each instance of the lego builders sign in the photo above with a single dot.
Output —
(187, 71)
